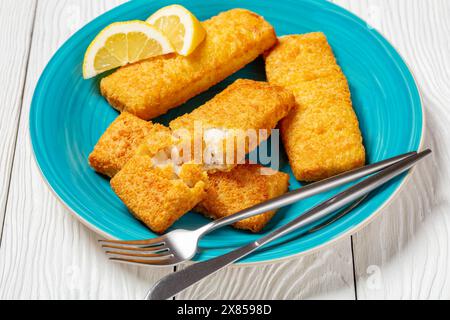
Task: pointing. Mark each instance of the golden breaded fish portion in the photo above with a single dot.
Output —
(321, 135)
(150, 175)
(241, 188)
(244, 105)
(119, 143)
(154, 191)
(150, 88)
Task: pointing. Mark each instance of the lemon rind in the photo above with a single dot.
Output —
(121, 27)
(187, 19)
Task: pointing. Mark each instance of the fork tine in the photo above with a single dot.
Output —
(147, 242)
(145, 254)
(156, 247)
(164, 261)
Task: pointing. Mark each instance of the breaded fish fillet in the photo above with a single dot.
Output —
(241, 188)
(321, 135)
(154, 190)
(150, 88)
(119, 142)
(139, 184)
(244, 105)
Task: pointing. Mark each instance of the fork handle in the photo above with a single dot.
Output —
(178, 281)
(302, 193)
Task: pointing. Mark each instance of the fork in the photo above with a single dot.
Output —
(181, 245)
(178, 281)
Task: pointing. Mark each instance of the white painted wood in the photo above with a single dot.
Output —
(46, 253)
(327, 274)
(16, 24)
(405, 253)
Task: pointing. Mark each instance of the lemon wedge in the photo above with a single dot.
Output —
(180, 26)
(121, 43)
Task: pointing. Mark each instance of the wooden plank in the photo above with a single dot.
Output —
(45, 252)
(16, 23)
(326, 274)
(404, 254)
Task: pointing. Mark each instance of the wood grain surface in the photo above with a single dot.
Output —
(16, 25)
(46, 253)
(404, 254)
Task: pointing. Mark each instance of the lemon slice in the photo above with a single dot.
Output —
(121, 43)
(182, 28)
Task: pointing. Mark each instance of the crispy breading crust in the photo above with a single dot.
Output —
(150, 88)
(244, 105)
(153, 196)
(241, 188)
(321, 135)
(118, 144)
(158, 200)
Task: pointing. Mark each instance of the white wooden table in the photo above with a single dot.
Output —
(45, 253)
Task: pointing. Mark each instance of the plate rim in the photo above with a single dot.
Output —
(349, 232)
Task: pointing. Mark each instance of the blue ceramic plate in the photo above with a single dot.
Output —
(68, 115)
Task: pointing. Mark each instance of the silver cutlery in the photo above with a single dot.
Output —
(176, 282)
(181, 245)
